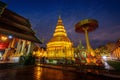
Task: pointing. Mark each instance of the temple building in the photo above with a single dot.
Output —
(16, 35)
(60, 45)
(116, 51)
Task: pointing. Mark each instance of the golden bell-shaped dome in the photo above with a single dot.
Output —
(60, 32)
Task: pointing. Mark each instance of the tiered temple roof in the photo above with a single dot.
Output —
(59, 33)
(16, 25)
(60, 45)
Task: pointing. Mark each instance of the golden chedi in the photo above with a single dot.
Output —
(60, 45)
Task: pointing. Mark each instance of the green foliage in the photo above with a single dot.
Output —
(27, 60)
(115, 65)
(22, 60)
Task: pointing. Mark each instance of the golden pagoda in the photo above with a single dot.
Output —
(60, 45)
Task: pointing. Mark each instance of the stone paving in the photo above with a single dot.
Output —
(103, 72)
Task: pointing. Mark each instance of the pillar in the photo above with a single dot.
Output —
(88, 43)
(18, 46)
(12, 43)
(29, 47)
(6, 53)
(23, 47)
(87, 39)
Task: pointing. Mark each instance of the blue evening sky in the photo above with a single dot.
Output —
(43, 15)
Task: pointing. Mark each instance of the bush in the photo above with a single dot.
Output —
(115, 65)
(27, 60)
(22, 60)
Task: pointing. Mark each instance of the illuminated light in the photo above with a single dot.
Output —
(60, 33)
(104, 57)
(38, 64)
(28, 42)
(59, 42)
(4, 38)
(10, 36)
(60, 30)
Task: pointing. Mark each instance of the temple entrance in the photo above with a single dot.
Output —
(4, 43)
(11, 48)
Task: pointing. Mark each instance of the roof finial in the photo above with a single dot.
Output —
(59, 21)
(59, 17)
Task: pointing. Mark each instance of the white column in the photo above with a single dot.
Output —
(29, 47)
(6, 51)
(18, 47)
(12, 43)
(23, 47)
